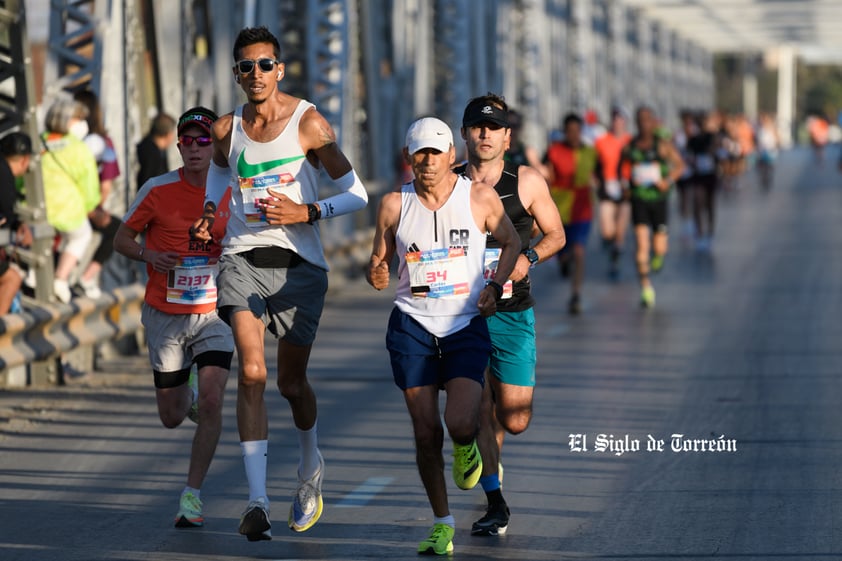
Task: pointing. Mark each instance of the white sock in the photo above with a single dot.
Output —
(308, 444)
(188, 489)
(254, 458)
(449, 520)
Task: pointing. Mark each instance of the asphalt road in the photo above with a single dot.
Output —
(743, 349)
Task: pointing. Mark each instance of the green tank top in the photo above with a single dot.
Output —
(647, 166)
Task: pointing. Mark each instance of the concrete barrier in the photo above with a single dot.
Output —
(46, 330)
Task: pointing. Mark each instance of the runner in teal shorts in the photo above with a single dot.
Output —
(513, 354)
(507, 397)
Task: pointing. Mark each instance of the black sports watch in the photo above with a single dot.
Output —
(531, 255)
(313, 213)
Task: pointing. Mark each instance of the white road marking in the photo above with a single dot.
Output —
(363, 494)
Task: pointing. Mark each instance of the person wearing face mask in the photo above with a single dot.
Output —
(71, 186)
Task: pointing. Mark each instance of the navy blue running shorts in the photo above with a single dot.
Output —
(419, 358)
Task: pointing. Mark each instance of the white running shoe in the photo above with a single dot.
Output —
(90, 288)
(307, 505)
(61, 288)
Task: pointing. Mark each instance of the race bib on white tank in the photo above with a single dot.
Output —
(438, 273)
(255, 190)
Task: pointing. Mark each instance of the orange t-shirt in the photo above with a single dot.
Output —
(165, 208)
(608, 149)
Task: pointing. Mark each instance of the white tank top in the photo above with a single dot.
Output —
(441, 253)
(282, 165)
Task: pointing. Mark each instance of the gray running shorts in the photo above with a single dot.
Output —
(289, 300)
(175, 340)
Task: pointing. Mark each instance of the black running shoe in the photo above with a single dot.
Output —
(494, 523)
(254, 523)
(575, 305)
(564, 268)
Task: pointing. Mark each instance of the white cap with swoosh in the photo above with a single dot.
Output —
(429, 132)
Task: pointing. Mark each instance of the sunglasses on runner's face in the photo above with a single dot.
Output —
(187, 140)
(246, 66)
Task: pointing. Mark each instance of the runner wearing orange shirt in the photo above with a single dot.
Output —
(614, 207)
(179, 309)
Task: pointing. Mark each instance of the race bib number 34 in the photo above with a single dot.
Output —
(438, 273)
(193, 281)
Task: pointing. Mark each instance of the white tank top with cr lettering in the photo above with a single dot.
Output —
(441, 254)
(282, 165)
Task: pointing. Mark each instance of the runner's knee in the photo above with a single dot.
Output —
(515, 420)
(252, 374)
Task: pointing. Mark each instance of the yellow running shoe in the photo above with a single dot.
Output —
(647, 297)
(440, 541)
(657, 263)
(467, 465)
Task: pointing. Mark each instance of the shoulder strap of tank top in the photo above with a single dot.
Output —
(236, 123)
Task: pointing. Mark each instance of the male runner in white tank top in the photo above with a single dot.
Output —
(437, 335)
(271, 150)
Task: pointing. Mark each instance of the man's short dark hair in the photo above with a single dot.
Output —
(15, 144)
(162, 125)
(644, 109)
(253, 35)
(572, 118)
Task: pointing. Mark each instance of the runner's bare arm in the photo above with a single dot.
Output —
(125, 243)
(319, 143)
(383, 247)
(484, 200)
(541, 206)
(676, 163)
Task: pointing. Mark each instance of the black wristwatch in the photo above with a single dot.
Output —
(313, 213)
(498, 288)
(531, 255)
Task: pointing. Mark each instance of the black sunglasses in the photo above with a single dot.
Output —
(188, 140)
(246, 66)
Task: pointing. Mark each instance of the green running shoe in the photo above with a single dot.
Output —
(657, 263)
(189, 512)
(467, 465)
(440, 541)
(647, 297)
